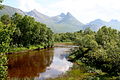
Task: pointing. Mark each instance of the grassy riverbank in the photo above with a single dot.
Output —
(31, 47)
(80, 71)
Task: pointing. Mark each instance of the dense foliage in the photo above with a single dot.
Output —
(100, 49)
(25, 31)
(66, 37)
(29, 32)
(3, 47)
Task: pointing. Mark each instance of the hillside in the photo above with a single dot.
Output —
(10, 11)
(60, 23)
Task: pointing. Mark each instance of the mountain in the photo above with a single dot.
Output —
(114, 24)
(60, 23)
(39, 16)
(10, 11)
(68, 23)
(42, 18)
(68, 20)
(95, 25)
(98, 23)
(63, 22)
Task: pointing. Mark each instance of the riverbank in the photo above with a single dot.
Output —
(80, 71)
(24, 49)
(34, 47)
(63, 43)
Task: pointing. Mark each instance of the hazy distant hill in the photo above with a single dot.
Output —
(98, 23)
(114, 24)
(10, 10)
(95, 25)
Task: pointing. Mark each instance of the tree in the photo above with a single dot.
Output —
(5, 19)
(29, 32)
(16, 18)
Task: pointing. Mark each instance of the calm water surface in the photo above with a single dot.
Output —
(39, 65)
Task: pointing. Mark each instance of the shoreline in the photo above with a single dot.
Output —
(25, 49)
(37, 47)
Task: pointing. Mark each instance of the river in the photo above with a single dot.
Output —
(39, 64)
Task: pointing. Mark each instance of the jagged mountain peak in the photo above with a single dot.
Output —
(68, 14)
(62, 15)
(34, 10)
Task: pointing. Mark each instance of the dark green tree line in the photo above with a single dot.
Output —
(25, 31)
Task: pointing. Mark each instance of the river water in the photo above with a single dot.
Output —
(39, 64)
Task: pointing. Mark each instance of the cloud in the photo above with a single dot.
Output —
(27, 5)
(88, 10)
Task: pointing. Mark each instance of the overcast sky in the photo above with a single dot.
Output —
(84, 10)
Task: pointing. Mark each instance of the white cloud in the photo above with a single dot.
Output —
(27, 5)
(83, 10)
(88, 10)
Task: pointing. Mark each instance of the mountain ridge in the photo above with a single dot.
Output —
(62, 22)
(11, 10)
(98, 23)
(59, 23)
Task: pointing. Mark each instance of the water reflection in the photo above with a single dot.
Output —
(40, 65)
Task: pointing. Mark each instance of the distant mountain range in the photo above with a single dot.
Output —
(98, 23)
(62, 22)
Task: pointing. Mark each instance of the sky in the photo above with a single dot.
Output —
(84, 10)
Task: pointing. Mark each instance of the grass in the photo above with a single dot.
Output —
(18, 49)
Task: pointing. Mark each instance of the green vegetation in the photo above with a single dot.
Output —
(3, 48)
(97, 57)
(100, 50)
(67, 37)
(29, 32)
(20, 32)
